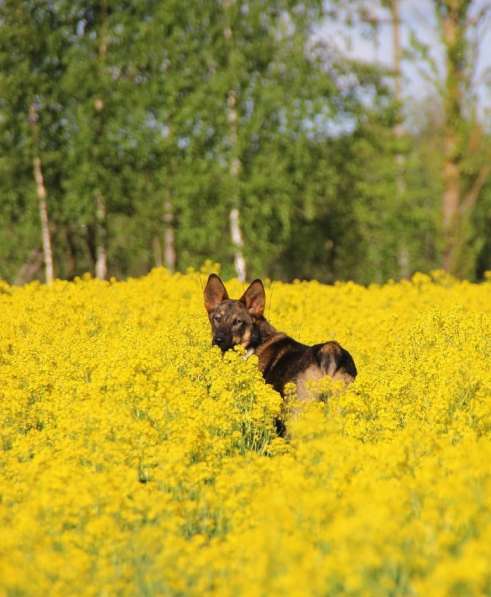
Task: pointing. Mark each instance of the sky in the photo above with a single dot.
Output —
(417, 16)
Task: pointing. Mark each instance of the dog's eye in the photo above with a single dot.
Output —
(217, 317)
(237, 322)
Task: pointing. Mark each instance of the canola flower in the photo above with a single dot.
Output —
(135, 460)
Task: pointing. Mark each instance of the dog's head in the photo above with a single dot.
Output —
(234, 322)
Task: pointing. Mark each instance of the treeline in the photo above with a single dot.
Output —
(137, 134)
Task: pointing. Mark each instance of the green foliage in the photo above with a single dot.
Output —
(132, 107)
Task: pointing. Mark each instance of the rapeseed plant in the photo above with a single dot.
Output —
(134, 459)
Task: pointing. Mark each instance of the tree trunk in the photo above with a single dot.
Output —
(235, 164)
(403, 253)
(453, 27)
(169, 236)
(236, 235)
(451, 201)
(37, 169)
(30, 268)
(72, 252)
(100, 201)
(157, 252)
(43, 215)
(101, 237)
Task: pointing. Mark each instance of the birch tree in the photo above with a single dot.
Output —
(41, 195)
(98, 113)
(31, 66)
(171, 133)
(100, 200)
(234, 152)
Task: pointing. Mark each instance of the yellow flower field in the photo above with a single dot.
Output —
(135, 460)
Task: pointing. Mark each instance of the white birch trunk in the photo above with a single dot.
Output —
(100, 201)
(235, 167)
(101, 237)
(238, 243)
(42, 195)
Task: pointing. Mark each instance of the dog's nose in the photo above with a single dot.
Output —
(219, 340)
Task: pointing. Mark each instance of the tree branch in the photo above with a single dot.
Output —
(471, 197)
(30, 268)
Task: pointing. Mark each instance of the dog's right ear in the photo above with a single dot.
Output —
(215, 292)
(254, 298)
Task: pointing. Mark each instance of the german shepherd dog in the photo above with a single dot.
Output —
(281, 358)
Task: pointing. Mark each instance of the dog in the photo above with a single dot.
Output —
(281, 358)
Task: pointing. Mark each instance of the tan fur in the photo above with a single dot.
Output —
(245, 339)
(305, 378)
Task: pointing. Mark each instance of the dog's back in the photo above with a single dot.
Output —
(283, 360)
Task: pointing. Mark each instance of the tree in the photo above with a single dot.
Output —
(41, 194)
(31, 66)
(170, 133)
(459, 195)
(465, 149)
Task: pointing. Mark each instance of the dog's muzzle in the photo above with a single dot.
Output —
(221, 341)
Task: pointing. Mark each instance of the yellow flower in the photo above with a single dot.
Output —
(135, 459)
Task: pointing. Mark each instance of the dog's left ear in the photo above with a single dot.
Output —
(215, 292)
(254, 298)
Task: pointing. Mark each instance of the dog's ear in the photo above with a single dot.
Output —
(254, 298)
(215, 292)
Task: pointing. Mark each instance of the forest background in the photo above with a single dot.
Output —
(262, 134)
